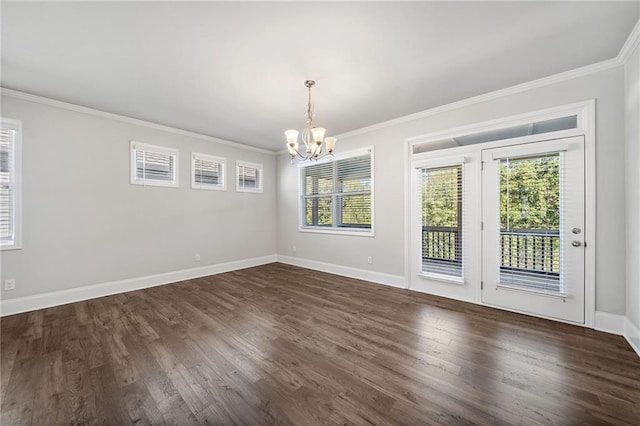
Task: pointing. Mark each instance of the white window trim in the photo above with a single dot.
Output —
(15, 125)
(585, 111)
(366, 232)
(206, 157)
(447, 161)
(260, 167)
(159, 149)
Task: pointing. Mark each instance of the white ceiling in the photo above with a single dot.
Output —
(235, 70)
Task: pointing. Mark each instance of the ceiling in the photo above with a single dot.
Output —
(235, 70)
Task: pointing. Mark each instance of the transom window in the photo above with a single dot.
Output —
(207, 172)
(249, 177)
(337, 194)
(153, 165)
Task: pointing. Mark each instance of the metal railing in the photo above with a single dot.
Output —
(525, 250)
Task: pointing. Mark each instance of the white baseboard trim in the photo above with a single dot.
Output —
(610, 323)
(345, 271)
(632, 334)
(62, 297)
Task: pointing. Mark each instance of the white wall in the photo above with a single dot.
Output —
(632, 138)
(84, 223)
(388, 246)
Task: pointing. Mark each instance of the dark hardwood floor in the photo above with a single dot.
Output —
(278, 344)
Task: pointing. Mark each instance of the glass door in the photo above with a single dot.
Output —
(533, 228)
(444, 226)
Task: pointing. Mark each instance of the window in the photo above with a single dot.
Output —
(337, 194)
(248, 177)
(528, 129)
(207, 172)
(441, 190)
(10, 132)
(153, 165)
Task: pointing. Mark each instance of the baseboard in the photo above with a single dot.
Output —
(632, 334)
(345, 271)
(62, 297)
(610, 323)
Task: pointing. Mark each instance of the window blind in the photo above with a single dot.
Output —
(207, 172)
(154, 165)
(530, 249)
(337, 194)
(249, 177)
(442, 213)
(7, 186)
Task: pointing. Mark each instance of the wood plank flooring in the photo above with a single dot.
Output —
(283, 345)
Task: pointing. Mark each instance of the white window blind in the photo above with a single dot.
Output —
(153, 165)
(529, 248)
(443, 227)
(8, 189)
(248, 177)
(207, 172)
(338, 194)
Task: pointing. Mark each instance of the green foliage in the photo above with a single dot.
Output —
(530, 193)
(355, 209)
(440, 196)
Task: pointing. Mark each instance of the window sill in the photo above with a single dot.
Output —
(251, 191)
(443, 278)
(14, 246)
(154, 183)
(208, 188)
(345, 231)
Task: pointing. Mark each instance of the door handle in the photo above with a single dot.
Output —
(576, 243)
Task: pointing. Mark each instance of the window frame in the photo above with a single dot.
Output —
(260, 188)
(353, 231)
(16, 126)
(463, 209)
(134, 145)
(206, 157)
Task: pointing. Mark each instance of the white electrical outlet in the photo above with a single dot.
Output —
(294, 249)
(197, 257)
(369, 260)
(10, 284)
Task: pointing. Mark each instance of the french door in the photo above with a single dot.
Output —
(533, 228)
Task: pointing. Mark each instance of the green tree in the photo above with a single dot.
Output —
(530, 193)
(441, 193)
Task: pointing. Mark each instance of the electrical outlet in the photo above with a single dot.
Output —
(197, 257)
(10, 284)
(294, 249)
(369, 260)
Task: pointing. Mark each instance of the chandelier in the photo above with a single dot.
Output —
(312, 136)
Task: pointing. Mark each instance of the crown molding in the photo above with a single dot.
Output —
(534, 84)
(124, 119)
(629, 45)
(623, 56)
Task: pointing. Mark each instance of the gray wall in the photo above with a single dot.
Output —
(84, 223)
(632, 136)
(387, 247)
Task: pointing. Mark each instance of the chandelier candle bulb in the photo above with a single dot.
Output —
(312, 136)
(330, 142)
(318, 134)
(292, 137)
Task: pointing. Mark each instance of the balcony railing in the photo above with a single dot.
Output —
(522, 251)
